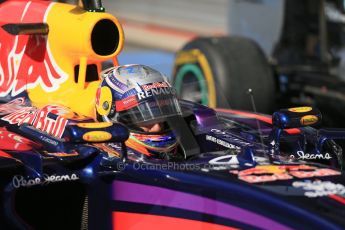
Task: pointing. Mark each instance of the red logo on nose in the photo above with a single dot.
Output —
(25, 60)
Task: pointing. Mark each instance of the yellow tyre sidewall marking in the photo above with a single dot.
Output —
(197, 56)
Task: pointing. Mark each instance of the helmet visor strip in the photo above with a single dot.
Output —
(154, 108)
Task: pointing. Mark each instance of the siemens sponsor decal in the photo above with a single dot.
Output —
(233, 138)
(221, 142)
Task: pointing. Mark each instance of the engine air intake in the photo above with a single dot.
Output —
(105, 37)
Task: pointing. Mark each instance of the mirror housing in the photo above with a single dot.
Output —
(296, 117)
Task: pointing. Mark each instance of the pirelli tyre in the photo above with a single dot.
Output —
(218, 71)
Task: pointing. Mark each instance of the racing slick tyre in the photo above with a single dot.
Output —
(218, 71)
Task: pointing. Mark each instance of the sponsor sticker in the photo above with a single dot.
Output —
(320, 188)
(231, 136)
(133, 100)
(315, 173)
(126, 103)
(97, 136)
(49, 140)
(221, 142)
(20, 181)
(39, 119)
(190, 56)
(308, 120)
(265, 173)
(156, 91)
(307, 156)
(301, 109)
(155, 85)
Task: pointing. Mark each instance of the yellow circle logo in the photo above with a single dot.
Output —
(300, 109)
(97, 136)
(104, 101)
(309, 120)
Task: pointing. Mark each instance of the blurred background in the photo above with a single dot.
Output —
(156, 29)
(289, 52)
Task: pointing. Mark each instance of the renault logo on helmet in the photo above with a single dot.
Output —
(156, 91)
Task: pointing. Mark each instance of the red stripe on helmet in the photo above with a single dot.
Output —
(126, 103)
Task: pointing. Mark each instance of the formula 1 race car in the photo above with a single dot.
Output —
(80, 147)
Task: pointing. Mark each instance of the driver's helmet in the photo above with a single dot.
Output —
(139, 96)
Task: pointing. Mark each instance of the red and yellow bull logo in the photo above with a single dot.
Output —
(28, 62)
(55, 68)
(266, 173)
(39, 119)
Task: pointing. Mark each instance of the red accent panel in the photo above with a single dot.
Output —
(126, 103)
(263, 118)
(3, 154)
(136, 221)
(337, 198)
(12, 141)
(25, 60)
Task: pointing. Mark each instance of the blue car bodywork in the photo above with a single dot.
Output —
(237, 178)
